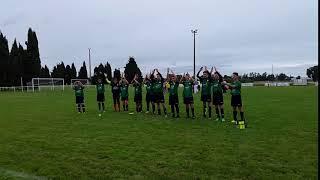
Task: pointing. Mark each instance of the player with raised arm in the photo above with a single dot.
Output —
(236, 101)
(173, 94)
(217, 94)
(149, 93)
(137, 93)
(100, 96)
(124, 85)
(205, 90)
(79, 93)
(115, 88)
(187, 82)
(158, 82)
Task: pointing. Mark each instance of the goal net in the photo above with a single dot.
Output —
(39, 84)
(85, 82)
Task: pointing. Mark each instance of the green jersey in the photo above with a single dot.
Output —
(149, 88)
(173, 90)
(137, 89)
(124, 90)
(78, 91)
(236, 90)
(158, 86)
(216, 87)
(187, 89)
(100, 88)
(205, 89)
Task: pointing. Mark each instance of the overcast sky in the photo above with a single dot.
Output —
(242, 36)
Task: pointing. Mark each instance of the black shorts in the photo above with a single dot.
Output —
(173, 99)
(188, 100)
(217, 99)
(236, 100)
(149, 97)
(158, 98)
(124, 98)
(100, 97)
(206, 98)
(138, 98)
(79, 99)
(116, 98)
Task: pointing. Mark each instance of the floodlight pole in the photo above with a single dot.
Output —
(89, 63)
(194, 32)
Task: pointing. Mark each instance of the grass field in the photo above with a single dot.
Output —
(41, 136)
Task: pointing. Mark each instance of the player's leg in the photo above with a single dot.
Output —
(171, 103)
(103, 99)
(78, 107)
(123, 104)
(118, 102)
(192, 109)
(127, 104)
(187, 110)
(204, 105)
(209, 108)
(221, 111)
(235, 114)
(164, 108)
(177, 106)
(148, 102)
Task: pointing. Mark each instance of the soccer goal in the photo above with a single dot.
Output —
(83, 81)
(39, 84)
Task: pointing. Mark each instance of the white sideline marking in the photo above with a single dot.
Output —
(20, 174)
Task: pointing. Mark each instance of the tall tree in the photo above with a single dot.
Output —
(313, 73)
(131, 69)
(44, 72)
(73, 71)
(108, 71)
(32, 63)
(13, 65)
(68, 75)
(83, 74)
(4, 58)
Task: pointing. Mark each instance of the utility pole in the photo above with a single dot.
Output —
(194, 32)
(89, 63)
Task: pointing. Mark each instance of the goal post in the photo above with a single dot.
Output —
(47, 83)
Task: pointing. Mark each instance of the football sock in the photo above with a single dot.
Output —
(187, 110)
(235, 115)
(83, 108)
(209, 111)
(177, 109)
(217, 112)
(222, 113)
(204, 109)
(172, 109)
(79, 108)
(127, 107)
(153, 108)
(165, 110)
(124, 107)
(103, 108)
(148, 105)
(192, 110)
(99, 105)
(242, 116)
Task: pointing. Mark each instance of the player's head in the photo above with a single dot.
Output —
(115, 80)
(215, 76)
(205, 73)
(158, 76)
(99, 81)
(173, 78)
(235, 76)
(188, 76)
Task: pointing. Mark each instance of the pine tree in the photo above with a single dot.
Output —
(132, 69)
(73, 71)
(68, 75)
(4, 58)
(13, 65)
(83, 74)
(32, 63)
(108, 71)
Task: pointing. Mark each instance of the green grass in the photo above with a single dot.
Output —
(41, 135)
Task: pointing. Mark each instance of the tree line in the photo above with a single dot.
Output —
(24, 63)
